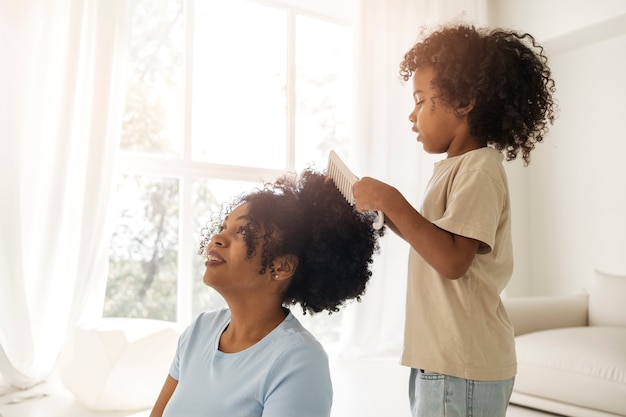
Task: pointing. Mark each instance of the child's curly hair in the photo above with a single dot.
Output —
(504, 72)
(307, 216)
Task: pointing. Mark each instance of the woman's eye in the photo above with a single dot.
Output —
(419, 103)
(242, 231)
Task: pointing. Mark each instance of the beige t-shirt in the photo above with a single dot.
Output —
(459, 327)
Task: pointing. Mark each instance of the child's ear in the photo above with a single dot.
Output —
(284, 267)
(463, 108)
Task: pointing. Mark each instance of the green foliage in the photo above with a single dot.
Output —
(144, 251)
(125, 281)
(156, 62)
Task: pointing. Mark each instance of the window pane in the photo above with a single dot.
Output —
(209, 196)
(153, 112)
(144, 250)
(239, 76)
(247, 67)
(323, 90)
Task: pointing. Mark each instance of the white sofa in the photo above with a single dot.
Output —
(571, 350)
(118, 364)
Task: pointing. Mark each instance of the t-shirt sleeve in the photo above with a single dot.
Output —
(299, 384)
(474, 207)
(182, 342)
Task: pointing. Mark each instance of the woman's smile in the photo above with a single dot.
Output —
(213, 259)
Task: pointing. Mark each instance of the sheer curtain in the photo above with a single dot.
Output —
(386, 149)
(62, 81)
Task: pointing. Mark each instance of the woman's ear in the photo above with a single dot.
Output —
(284, 267)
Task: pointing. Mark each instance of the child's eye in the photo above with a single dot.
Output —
(419, 103)
(242, 230)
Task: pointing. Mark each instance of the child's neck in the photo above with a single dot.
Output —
(466, 144)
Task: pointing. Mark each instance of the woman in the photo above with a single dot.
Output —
(296, 241)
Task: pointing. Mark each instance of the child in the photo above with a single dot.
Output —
(294, 241)
(477, 94)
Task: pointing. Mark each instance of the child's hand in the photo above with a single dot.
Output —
(368, 194)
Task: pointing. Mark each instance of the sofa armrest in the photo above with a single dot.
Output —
(533, 314)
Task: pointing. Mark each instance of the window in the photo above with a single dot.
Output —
(221, 95)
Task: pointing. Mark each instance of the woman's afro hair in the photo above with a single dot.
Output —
(307, 216)
(503, 72)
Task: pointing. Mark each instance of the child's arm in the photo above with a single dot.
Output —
(449, 254)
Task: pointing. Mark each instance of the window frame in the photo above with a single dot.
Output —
(185, 169)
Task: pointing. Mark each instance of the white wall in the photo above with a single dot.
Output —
(570, 203)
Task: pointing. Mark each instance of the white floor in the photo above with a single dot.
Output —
(364, 388)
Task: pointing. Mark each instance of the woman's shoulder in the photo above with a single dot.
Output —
(293, 345)
(211, 316)
(299, 336)
(204, 322)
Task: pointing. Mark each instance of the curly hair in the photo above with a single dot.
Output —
(308, 217)
(506, 74)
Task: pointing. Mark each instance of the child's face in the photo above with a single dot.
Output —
(434, 120)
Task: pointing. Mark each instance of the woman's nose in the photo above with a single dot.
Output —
(217, 240)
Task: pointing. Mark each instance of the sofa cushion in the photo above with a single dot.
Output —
(533, 314)
(606, 300)
(582, 366)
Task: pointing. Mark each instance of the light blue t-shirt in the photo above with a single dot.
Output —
(286, 374)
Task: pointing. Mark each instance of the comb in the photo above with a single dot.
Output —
(344, 179)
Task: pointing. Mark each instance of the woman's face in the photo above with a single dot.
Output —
(228, 267)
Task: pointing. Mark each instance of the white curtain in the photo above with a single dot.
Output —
(61, 81)
(386, 149)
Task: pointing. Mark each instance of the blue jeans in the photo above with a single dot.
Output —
(437, 395)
